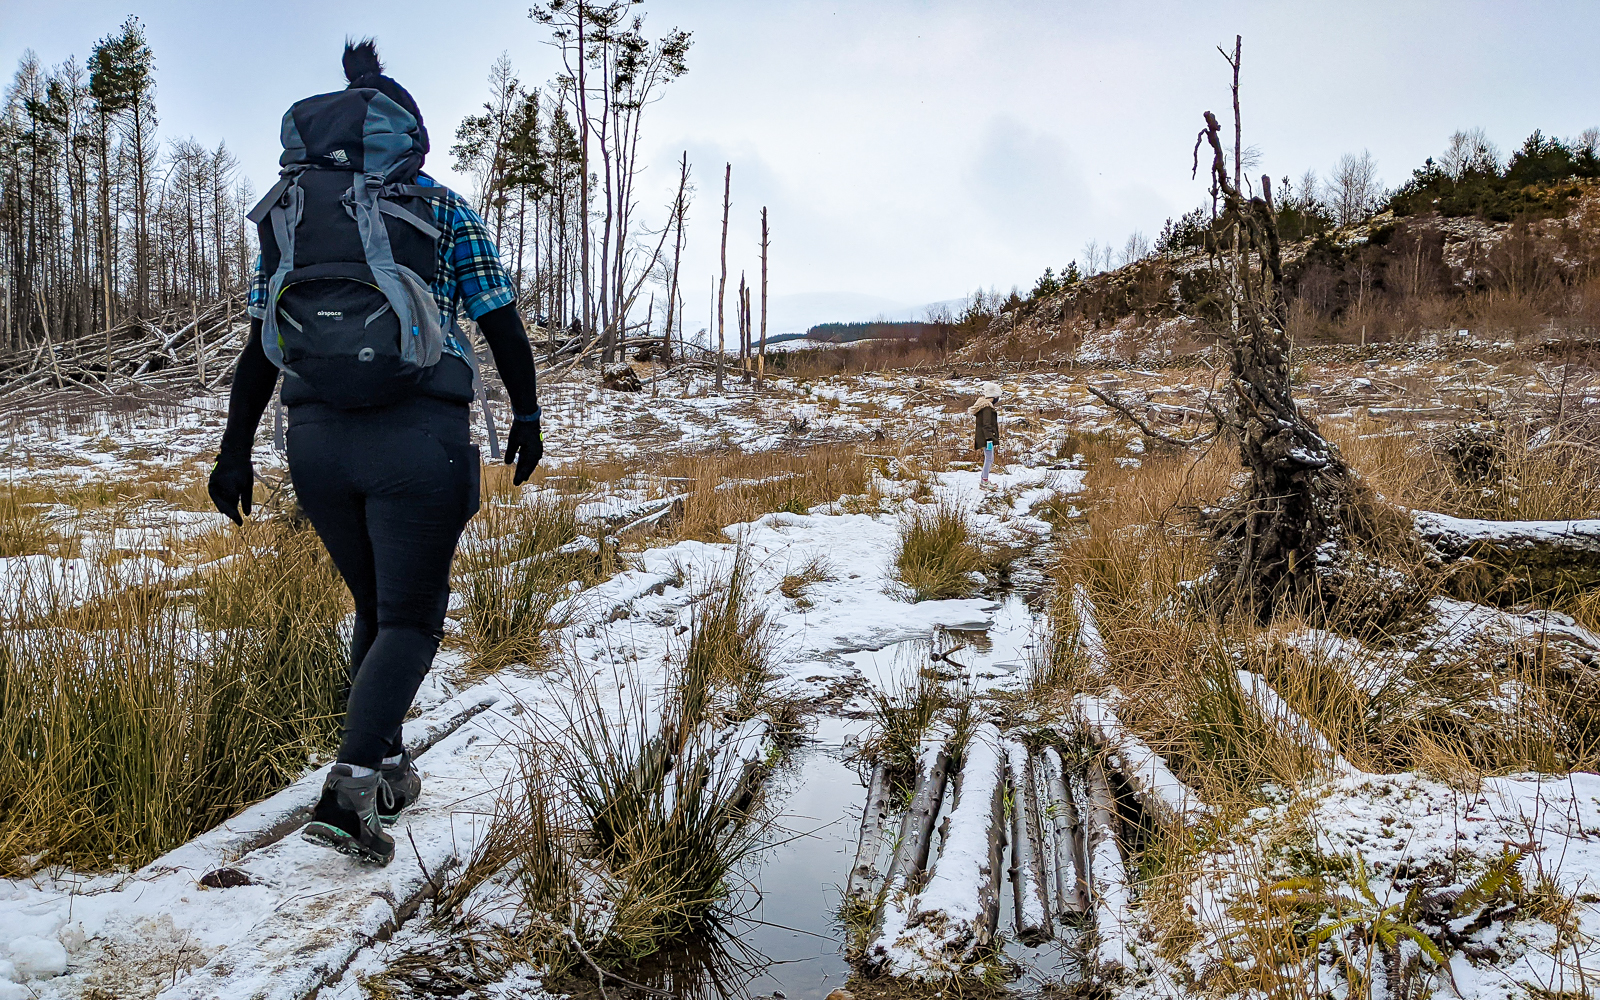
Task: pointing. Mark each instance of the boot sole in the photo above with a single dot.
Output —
(326, 835)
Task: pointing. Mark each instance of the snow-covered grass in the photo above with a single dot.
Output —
(815, 475)
(1341, 765)
(636, 800)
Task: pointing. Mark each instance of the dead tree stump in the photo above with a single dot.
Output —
(1285, 537)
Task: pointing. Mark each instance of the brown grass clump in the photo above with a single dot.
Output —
(22, 531)
(938, 553)
(1176, 664)
(513, 571)
(793, 586)
(733, 487)
(137, 717)
(632, 814)
(1499, 470)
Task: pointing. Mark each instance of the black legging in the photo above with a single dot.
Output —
(389, 491)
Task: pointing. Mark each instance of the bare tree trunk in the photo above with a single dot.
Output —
(673, 296)
(1286, 537)
(722, 283)
(741, 303)
(583, 180)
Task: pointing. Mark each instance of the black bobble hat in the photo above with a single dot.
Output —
(363, 68)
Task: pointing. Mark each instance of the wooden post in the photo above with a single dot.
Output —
(1032, 895)
(727, 189)
(649, 324)
(916, 829)
(1107, 869)
(1070, 886)
(866, 878)
(761, 357)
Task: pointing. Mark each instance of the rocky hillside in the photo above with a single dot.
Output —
(1387, 278)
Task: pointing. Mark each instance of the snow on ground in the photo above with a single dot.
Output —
(307, 913)
(1409, 831)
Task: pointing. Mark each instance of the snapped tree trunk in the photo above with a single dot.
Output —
(722, 283)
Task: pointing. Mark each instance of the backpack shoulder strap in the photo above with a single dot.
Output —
(285, 211)
(390, 208)
(415, 191)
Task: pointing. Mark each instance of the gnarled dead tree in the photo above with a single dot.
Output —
(1287, 536)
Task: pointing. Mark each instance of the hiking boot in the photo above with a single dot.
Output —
(346, 818)
(404, 785)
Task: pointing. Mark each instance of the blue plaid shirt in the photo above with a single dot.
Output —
(468, 272)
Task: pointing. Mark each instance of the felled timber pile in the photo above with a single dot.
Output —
(937, 913)
(186, 344)
(949, 925)
(933, 887)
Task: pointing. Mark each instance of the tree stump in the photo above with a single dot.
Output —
(621, 378)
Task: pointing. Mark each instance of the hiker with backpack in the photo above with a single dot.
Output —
(986, 435)
(365, 262)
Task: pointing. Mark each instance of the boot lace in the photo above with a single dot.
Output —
(385, 796)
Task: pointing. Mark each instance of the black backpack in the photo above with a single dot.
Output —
(348, 239)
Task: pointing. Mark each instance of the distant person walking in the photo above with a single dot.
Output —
(986, 436)
(364, 263)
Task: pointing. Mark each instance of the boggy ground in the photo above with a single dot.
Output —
(1429, 740)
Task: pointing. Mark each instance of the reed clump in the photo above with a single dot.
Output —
(938, 555)
(138, 715)
(22, 531)
(514, 571)
(633, 812)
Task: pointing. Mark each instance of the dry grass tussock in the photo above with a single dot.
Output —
(1497, 469)
(515, 567)
(1537, 468)
(633, 812)
(724, 487)
(938, 556)
(139, 714)
(23, 532)
(733, 487)
(1456, 710)
(1438, 710)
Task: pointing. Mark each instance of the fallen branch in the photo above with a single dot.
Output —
(1149, 431)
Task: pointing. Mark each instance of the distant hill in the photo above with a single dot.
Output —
(849, 333)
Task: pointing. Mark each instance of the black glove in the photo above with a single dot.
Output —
(524, 447)
(232, 480)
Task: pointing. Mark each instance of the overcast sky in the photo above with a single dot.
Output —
(908, 152)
